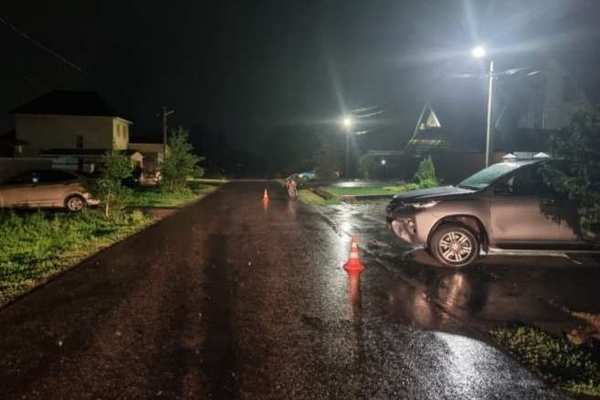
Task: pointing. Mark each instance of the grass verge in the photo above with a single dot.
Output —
(370, 191)
(573, 368)
(309, 197)
(149, 197)
(36, 245)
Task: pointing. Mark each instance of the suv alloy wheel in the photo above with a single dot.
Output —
(454, 245)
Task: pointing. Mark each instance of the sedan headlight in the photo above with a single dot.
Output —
(426, 204)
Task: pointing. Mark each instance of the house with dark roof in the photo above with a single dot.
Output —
(69, 123)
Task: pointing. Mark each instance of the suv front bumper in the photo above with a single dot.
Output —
(410, 226)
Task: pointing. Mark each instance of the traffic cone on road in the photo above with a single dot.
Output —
(265, 196)
(354, 264)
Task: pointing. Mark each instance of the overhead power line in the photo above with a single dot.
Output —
(40, 45)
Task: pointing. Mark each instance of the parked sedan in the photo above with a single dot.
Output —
(45, 188)
(506, 207)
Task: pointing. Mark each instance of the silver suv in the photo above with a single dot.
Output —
(506, 206)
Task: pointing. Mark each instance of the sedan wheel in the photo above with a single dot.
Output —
(75, 203)
(454, 246)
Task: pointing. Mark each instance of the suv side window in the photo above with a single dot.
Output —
(527, 182)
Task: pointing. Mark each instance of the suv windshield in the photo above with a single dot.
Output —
(485, 177)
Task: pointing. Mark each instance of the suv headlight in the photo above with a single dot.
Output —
(426, 204)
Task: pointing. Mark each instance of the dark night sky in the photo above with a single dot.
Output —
(246, 67)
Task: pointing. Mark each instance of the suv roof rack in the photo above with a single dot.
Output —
(523, 156)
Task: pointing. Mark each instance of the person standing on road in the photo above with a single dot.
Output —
(291, 187)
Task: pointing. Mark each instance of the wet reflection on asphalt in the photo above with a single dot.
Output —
(236, 297)
(498, 289)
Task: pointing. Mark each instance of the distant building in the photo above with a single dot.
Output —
(70, 123)
(428, 135)
(529, 104)
(151, 147)
(529, 109)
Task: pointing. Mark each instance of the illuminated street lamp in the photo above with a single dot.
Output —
(347, 123)
(480, 52)
(383, 164)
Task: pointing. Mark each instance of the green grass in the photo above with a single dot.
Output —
(369, 191)
(37, 245)
(336, 193)
(381, 190)
(308, 197)
(148, 197)
(556, 359)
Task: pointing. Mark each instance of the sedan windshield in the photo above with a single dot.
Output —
(485, 177)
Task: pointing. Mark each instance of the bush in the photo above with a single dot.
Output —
(108, 188)
(428, 183)
(180, 164)
(425, 175)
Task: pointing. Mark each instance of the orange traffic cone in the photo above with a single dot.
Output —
(265, 196)
(354, 264)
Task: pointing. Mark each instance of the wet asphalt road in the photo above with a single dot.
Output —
(234, 298)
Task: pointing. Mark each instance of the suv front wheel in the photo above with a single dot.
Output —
(454, 245)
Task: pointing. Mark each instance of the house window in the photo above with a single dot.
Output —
(79, 141)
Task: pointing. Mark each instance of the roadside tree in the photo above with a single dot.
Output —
(425, 175)
(108, 187)
(180, 163)
(576, 171)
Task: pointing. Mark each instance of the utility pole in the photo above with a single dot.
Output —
(347, 171)
(488, 130)
(165, 115)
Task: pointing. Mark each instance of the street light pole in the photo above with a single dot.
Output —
(347, 123)
(480, 52)
(164, 114)
(488, 130)
(347, 169)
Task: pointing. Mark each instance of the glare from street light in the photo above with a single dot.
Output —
(383, 162)
(347, 122)
(478, 52)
